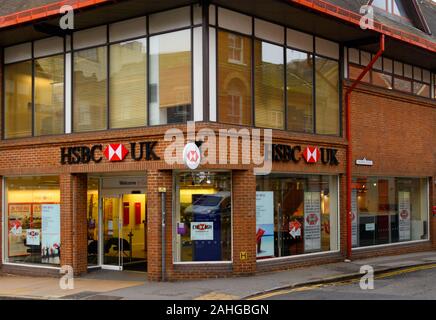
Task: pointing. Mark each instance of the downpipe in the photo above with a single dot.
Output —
(349, 145)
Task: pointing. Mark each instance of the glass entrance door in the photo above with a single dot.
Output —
(124, 230)
(112, 233)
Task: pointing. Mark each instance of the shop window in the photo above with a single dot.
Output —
(18, 102)
(128, 84)
(49, 95)
(269, 85)
(170, 73)
(327, 96)
(389, 210)
(90, 90)
(296, 214)
(33, 220)
(203, 221)
(234, 78)
(299, 77)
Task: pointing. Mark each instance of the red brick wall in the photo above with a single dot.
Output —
(396, 131)
(74, 242)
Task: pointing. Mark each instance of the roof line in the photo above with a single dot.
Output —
(45, 11)
(330, 9)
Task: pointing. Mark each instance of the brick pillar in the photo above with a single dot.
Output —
(343, 214)
(432, 196)
(244, 222)
(155, 180)
(74, 246)
(1, 220)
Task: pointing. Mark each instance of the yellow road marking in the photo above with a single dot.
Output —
(345, 282)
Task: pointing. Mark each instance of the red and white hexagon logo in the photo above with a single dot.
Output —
(311, 154)
(191, 156)
(115, 152)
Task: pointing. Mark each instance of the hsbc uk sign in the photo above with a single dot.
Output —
(115, 152)
(311, 154)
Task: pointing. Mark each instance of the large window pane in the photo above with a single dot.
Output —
(90, 89)
(389, 210)
(403, 85)
(203, 219)
(299, 74)
(49, 95)
(128, 84)
(33, 220)
(18, 102)
(327, 96)
(234, 79)
(170, 78)
(296, 214)
(269, 85)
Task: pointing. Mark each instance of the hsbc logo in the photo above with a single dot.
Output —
(312, 219)
(192, 156)
(310, 154)
(114, 152)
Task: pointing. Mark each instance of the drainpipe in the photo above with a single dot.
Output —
(349, 146)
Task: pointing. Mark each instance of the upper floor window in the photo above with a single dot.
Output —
(392, 6)
(390, 74)
(34, 97)
(236, 48)
(278, 87)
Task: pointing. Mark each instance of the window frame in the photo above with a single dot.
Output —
(217, 27)
(337, 217)
(393, 75)
(4, 237)
(69, 49)
(174, 207)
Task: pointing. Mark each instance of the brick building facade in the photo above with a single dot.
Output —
(393, 129)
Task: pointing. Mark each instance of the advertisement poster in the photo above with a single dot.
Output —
(404, 215)
(201, 231)
(354, 218)
(19, 217)
(312, 221)
(33, 237)
(265, 223)
(51, 235)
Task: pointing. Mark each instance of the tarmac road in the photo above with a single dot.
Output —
(416, 283)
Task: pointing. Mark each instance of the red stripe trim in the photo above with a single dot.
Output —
(45, 11)
(354, 18)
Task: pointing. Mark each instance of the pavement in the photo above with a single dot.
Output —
(113, 285)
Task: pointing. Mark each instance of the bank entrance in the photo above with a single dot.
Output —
(117, 223)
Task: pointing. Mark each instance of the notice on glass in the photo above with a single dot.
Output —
(19, 216)
(312, 221)
(51, 233)
(265, 223)
(354, 217)
(33, 237)
(404, 215)
(201, 231)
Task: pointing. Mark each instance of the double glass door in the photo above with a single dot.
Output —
(124, 232)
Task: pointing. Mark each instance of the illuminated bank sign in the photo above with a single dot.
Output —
(112, 152)
(310, 154)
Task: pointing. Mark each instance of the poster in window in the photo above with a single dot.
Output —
(404, 215)
(354, 218)
(201, 231)
(265, 224)
(51, 235)
(19, 216)
(312, 221)
(33, 237)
